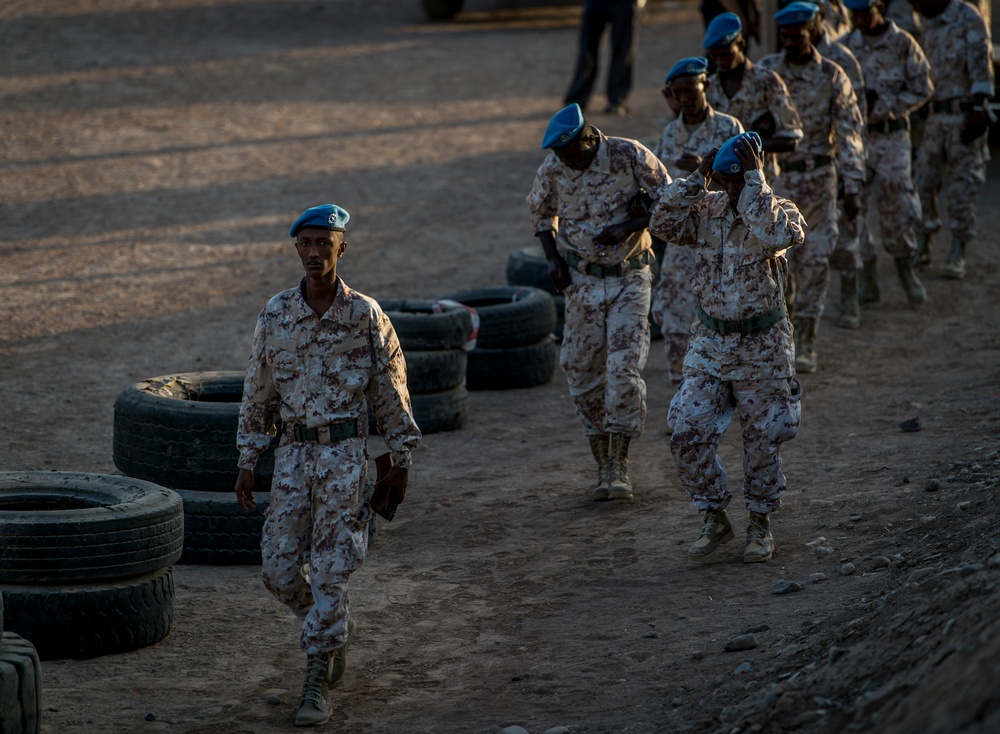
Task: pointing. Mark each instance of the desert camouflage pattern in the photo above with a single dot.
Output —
(960, 52)
(905, 17)
(739, 271)
(836, 18)
(673, 300)
(314, 371)
(843, 57)
(605, 346)
(896, 68)
(579, 205)
(699, 414)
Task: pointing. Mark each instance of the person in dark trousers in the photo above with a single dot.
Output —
(623, 17)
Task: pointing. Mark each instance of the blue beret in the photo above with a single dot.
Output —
(563, 126)
(723, 30)
(691, 66)
(726, 160)
(325, 216)
(795, 13)
(860, 4)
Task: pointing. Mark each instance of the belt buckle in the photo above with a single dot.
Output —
(323, 435)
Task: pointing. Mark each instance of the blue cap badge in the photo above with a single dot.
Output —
(796, 13)
(563, 126)
(325, 216)
(726, 160)
(723, 30)
(691, 66)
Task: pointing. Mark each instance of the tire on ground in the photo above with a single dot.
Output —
(528, 266)
(434, 371)
(86, 621)
(510, 316)
(65, 527)
(418, 328)
(180, 431)
(517, 367)
(435, 412)
(218, 532)
(20, 686)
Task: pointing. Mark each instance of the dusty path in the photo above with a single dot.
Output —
(151, 157)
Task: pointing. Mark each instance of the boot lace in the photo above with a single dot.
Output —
(312, 688)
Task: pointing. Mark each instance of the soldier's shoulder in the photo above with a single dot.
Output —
(279, 302)
(360, 305)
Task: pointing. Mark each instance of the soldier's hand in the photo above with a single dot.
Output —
(688, 162)
(852, 205)
(975, 126)
(705, 167)
(559, 273)
(612, 236)
(748, 156)
(244, 490)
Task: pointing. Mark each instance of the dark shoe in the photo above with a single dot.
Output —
(805, 344)
(339, 666)
(915, 292)
(954, 268)
(314, 706)
(760, 543)
(619, 485)
(618, 110)
(599, 448)
(716, 531)
(850, 309)
(868, 291)
(922, 258)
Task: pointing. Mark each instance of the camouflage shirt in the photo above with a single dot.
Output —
(960, 52)
(677, 138)
(836, 18)
(902, 14)
(831, 117)
(739, 271)
(318, 370)
(761, 91)
(579, 205)
(895, 68)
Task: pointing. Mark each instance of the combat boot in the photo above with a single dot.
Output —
(850, 309)
(339, 665)
(760, 543)
(868, 291)
(619, 486)
(599, 447)
(922, 258)
(716, 531)
(314, 706)
(954, 268)
(914, 289)
(805, 343)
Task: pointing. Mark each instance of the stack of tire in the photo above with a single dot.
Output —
(20, 683)
(527, 266)
(514, 345)
(179, 431)
(85, 567)
(433, 339)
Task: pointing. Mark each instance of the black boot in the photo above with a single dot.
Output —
(954, 268)
(915, 292)
(850, 308)
(868, 291)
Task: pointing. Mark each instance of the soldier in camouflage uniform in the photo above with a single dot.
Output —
(598, 247)
(320, 351)
(953, 145)
(741, 355)
(831, 147)
(683, 143)
(898, 82)
(755, 96)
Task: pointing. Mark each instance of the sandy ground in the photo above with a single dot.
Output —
(152, 155)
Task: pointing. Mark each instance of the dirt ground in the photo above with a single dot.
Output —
(152, 156)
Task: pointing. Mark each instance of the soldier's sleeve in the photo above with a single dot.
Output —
(788, 124)
(387, 392)
(847, 123)
(979, 55)
(542, 202)
(649, 170)
(260, 402)
(917, 86)
(775, 221)
(673, 203)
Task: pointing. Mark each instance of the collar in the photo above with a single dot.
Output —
(338, 309)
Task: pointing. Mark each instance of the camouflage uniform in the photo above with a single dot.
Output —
(831, 122)
(906, 19)
(897, 70)
(739, 271)
(673, 301)
(314, 371)
(958, 47)
(760, 91)
(606, 331)
(836, 19)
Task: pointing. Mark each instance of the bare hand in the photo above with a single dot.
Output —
(559, 273)
(688, 162)
(975, 126)
(705, 167)
(244, 490)
(748, 155)
(852, 205)
(612, 236)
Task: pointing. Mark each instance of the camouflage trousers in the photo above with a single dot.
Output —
(604, 348)
(701, 411)
(675, 305)
(316, 535)
(846, 255)
(944, 160)
(815, 194)
(896, 200)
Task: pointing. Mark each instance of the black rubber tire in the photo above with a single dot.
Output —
(435, 371)
(20, 686)
(528, 266)
(88, 621)
(180, 431)
(510, 316)
(217, 532)
(418, 328)
(442, 9)
(447, 410)
(63, 527)
(517, 367)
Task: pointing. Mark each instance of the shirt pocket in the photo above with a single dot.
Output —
(287, 368)
(348, 365)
